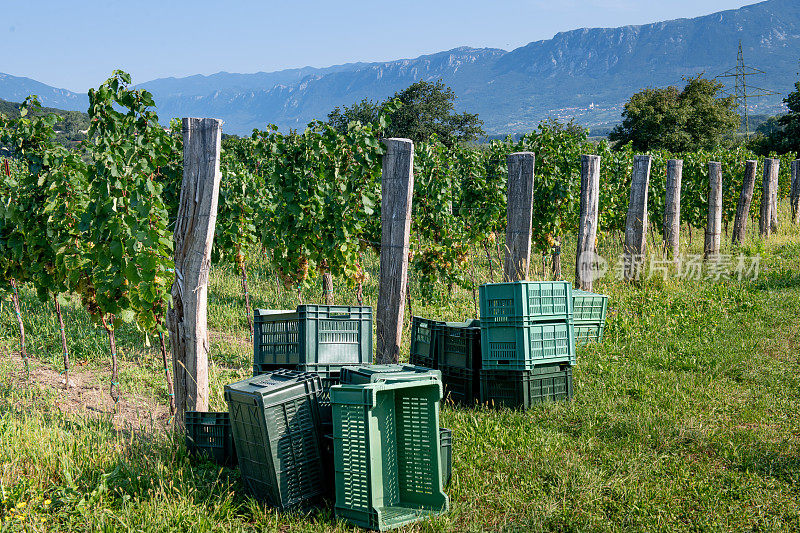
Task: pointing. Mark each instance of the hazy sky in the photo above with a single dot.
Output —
(77, 44)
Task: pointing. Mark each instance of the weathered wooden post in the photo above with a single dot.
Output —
(745, 199)
(714, 225)
(636, 220)
(194, 237)
(672, 214)
(520, 216)
(794, 195)
(327, 287)
(768, 221)
(587, 228)
(397, 185)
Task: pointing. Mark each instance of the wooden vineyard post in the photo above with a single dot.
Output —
(397, 186)
(714, 225)
(794, 194)
(768, 220)
(745, 199)
(327, 287)
(636, 220)
(672, 214)
(520, 216)
(587, 228)
(194, 237)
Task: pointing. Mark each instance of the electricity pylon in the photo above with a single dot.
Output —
(743, 91)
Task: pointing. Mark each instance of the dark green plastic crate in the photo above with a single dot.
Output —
(526, 345)
(588, 333)
(387, 456)
(531, 300)
(523, 389)
(461, 386)
(446, 451)
(277, 431)
(327, 461)
(460, 345)
(209, 435)
(424, 342)
(355, 375)
(330, 375)
(313, 334)
(588, 306)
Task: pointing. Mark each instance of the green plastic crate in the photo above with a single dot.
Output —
(209, 435)
(537, 301)
(588, 306)
(446, 451)
(588, 333)
(525, 345)
(523, 389)
(356, 375)
(460, 345)
(461, 386)
(424, 343)
(330, 375)
(277, 431)
(313, 334)
(387, 457)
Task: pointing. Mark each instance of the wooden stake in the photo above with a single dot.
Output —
(794, 195)
(636, 220)
(63, 341)
(714, 225)
(112, 344)
(397, 185)
(194, 237)
(745, 199)
(327, 287)
(587, 227)
(520, 216)
(672, 214)
(768, 221)
(18, 311)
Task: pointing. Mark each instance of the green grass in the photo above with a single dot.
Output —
(687, 417)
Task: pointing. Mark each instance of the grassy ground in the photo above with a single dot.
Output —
(687, 417)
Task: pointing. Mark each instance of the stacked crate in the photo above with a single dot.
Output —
(589, 313)
(527, 342)
(459, 360)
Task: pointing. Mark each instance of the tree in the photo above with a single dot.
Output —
(781, 134)
(425, 109)
(687, 120)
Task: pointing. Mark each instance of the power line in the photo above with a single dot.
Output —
(743, 91)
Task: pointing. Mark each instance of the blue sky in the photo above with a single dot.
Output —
(77, 44)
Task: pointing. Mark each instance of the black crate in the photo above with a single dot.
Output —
(524, 388)
(446, 453)
(424, 342)
(461, 386)
(209, 435)
(460, 345)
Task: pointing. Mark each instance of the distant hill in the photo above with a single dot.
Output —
(70, 129)
(585, 74)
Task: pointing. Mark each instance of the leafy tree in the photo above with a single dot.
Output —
(694, 118)
(425, 110)
(781, 134)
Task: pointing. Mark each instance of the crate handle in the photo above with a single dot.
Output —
(339, 315)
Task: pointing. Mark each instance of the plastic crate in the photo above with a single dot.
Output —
(387, 456)
(446, 451)
(531, 300)
(314, 334)
(327, 461)
(461, 386)
(588, 306)
(588, 333)
(209, 435)
(276, 427)
(424, 343)
(525, 345)
(356, 375)
(523, 389)
(329, 375)
(460, 345)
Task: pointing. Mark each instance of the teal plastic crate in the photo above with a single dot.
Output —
(537, 301)
(424, 342)
(460, 345)
(588, 306)
(355, 375)
(523, 389)
(277, 431)
(313, 334)
(525, 345)
(209, 435)
(588, 333)
(446, 451)
(387, 457)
